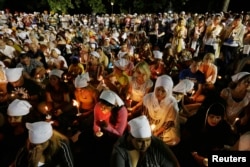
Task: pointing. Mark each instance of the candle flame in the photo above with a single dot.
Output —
(75, 103)
(46, 108)
(152, 126)
(48, 70)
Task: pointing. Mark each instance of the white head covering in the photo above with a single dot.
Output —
(151, 102)
(111, 97)
(18, 108)
(95, 54)
(167, 83)
(238, 76)
(39, 132)
(121, 63)
(82, 80)
(157, 54)
(57, 51)
(140, 127)
(13, 74)
(56, 72)
(184, 86)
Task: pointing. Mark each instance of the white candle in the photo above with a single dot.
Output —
(99, 133)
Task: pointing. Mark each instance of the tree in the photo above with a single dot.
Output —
(59, 5)
(97, 6)
(225, 5)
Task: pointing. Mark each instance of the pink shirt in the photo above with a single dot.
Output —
(118, 127)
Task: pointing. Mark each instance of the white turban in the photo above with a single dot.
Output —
(39, 132)
(13, 74)
(18, 108)
(56, 72)
(184, 86)
(157, 54)
(140, 127)
(238, 76)
(95, 54)
(111, 97)
(121, 63)
(57, 51)
(82, 80)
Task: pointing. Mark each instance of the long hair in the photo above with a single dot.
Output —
(54, 145)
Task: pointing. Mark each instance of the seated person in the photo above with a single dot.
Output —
(237, 96)
(206, 131)
(209, 69)
(157, 68)
(139, 147)
(194, 74)
(162, 111)
(58, 100)
(139, 85)
(19, 87)
(86, 96)
(118, 81)
(31, 67)
(75, 68)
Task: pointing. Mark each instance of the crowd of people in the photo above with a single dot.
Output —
(123, 90)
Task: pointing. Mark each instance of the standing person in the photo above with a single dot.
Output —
(44, 147)
(139, 147)
(196, 35)
(157, 35)
(179, 36)
(211, 38)
(161, 109)
(57, 60)
(232, 39)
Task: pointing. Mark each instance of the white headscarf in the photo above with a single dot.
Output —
(111, 97)
(155, 109)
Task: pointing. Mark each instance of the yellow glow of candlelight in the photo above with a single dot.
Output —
(75, 103)
(48, 71)
(152, 126)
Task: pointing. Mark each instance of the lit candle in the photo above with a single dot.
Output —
(76, 103)
(38, 78)
(48, 116)
(12, 94)
(65, 78)
(152, 126)
(99, 133)
(48, 71)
